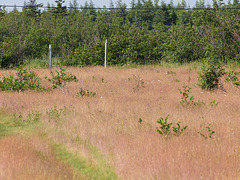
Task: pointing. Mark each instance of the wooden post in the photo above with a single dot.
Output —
(50, 57)
(106, 53)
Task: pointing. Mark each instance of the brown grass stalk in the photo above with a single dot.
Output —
(109, 121)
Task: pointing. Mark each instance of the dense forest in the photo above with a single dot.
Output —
(146, 33)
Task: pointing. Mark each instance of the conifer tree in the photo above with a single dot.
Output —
(32, 8)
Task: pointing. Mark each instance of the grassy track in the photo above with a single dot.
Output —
(75, 167)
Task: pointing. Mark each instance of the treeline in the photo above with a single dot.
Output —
(148, 32)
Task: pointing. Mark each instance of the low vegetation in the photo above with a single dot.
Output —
(24, 79)
(191, 130)
(60, 78)
(165, 128)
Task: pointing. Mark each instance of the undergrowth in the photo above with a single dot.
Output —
(87, 93)
(60, 78)
(167, 130)
(24, 79)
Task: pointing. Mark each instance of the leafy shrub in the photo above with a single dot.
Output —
(171, 73)
(213, 103)
(209, 132)
(212, 71)
(58, 115)
(232, 77)
(55, 113)
(24, 79)
(165, 128)
(185, 99)
(5, 60)
(140, 120)
(61, 78)
(178, 130)
(87, 93)
(34, 116)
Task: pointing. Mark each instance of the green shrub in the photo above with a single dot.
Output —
(58, 116)
(185, 99)
(24, 79)
(232, 77)
(213, 103)
(60, 113)
(212, 71)
(34, 116)
(171, 73)
(31, 118)
(61, 78)
(165, 128)
(87, 93)
(209, 132)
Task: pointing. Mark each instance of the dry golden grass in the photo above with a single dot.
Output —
(136, 151)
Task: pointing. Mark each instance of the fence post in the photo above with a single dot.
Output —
(50, 57)
(106, 53)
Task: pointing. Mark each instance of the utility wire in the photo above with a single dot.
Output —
(103, 8)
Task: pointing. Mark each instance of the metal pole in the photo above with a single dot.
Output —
(106, 53)
(50, 56)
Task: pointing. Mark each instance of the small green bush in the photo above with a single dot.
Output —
(61, 78)
(212, 71)
(186, 99)
(56, 113)
(87, 93)
(23, 79)
(31, 118)
(209, 132)
(232, 77)
(58, 116)
(165, 128)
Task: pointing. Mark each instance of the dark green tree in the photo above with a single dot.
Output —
(60, 10)
(31, 8)
(74, 5)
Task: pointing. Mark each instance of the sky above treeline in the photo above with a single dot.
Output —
(97, 3)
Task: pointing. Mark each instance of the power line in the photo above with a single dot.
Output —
(103, 8)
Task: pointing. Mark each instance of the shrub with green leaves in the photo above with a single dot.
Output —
(87, 93)
(24, 79)
(34, 116)
(212, 71)
(58, 115)
(166, 130)
(31, 118)
(61, 78)
(209, 132)
(186, 99)
(232, 77)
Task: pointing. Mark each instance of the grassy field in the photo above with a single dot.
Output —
(112, 135)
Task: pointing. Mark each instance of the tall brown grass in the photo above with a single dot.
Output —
(109, 121)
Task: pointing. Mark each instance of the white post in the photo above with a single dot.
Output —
(106, 53)
(50, 56)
